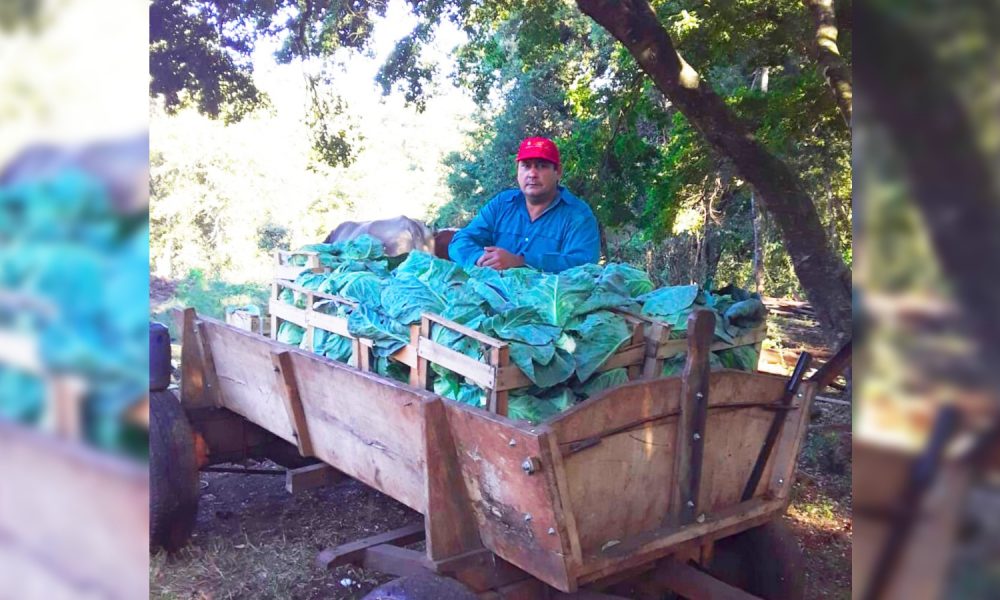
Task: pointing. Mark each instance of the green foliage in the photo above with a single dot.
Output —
(545, 71)
(558, 326)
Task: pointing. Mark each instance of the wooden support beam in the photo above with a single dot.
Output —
(635, 370)
(499, 359)
(449, 520)
(401, 562)
(293, 402)
(353, 552)
(832, 368)
(691, 421)
(423, 377)
(653, 366)
(211, 377)
(310, 477)
(691, 583)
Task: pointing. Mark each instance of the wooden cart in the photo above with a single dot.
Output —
(630, 487)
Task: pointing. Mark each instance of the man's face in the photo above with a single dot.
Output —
(538, 179)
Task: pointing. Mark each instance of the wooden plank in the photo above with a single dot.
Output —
(194, 392)
(449, 521)
(481, 374)
(675, 347)
(832, 368)
(408, 353)
(630, 356)
(304, 290)
(369, 427)
(246, 378)
(638, 340)
(511, 377)
(311, 477)
(331, 323)
(286, 312)
(497, 401)
(515, 509)
(289, 389)
(781, 474)
(656, 544)
(633, 427)
(291, 272)
(652, 366)
(559, 489)
(466, 331)
(415, 365)
(353, 552)
(691, 422)
(764, 455)
(364, 425)
(695, 584)
(422, 379)
(208, 360)
(481, 570)
(401, 562)
(274, 317)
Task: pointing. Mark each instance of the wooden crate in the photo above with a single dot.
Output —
(643, 355)
(286, 271)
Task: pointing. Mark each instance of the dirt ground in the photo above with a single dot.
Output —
(254, 540)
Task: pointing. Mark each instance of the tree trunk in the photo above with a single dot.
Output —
(758, 246)
(835, 70)
(823, 275)
(951, 181)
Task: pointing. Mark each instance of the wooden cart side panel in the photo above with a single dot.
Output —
(365, 426)
(245, 374)
(734, 437)
(619, 480)
(517, 512)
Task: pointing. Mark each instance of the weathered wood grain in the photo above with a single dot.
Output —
(515, 510)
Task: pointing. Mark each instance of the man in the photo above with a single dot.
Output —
(542, 225)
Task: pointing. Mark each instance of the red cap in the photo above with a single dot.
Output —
(538, 147)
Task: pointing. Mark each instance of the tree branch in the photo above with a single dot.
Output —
(834, 68)
(823, 275)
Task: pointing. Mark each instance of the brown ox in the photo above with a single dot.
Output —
(399, 235)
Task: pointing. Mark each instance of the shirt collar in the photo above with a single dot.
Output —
(519, 197)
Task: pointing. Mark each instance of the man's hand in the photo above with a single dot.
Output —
(499, 259)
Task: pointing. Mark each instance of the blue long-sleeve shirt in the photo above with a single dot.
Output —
(564, 236)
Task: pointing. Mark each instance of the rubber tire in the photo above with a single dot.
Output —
(421, 587)
(764, 561)
(173, 473)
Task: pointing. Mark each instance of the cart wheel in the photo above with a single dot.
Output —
(421, 587)
(173, 473)
(764, 561)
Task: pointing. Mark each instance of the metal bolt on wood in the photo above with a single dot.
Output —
(552, 530)
(527, 517)
(691, 503)
(699, 395)
(697, 436)
(512, 442)
(701, 518)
